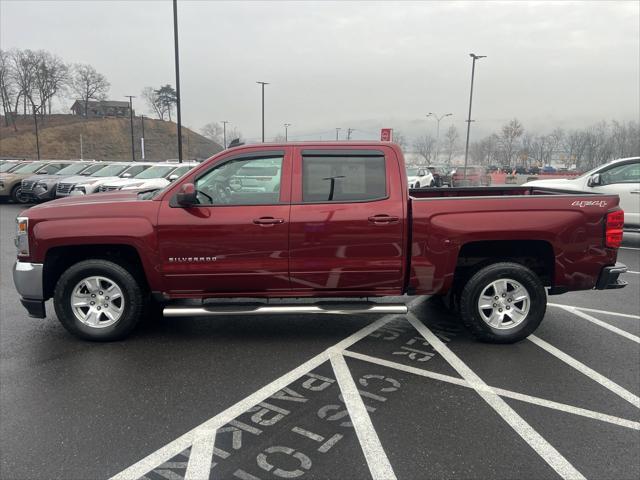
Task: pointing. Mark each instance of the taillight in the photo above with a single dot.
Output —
(613, 232)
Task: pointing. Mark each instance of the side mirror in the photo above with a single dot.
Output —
(187, 195)
(594, 180)
(126, 175)
(173, 177)
(421, 173)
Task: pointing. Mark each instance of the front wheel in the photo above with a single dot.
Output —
(17, 196)
(503, 303)
(98, 300)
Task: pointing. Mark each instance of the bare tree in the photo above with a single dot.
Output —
(51, 77)
(425, 147)
(400, 140)
(88, 84)
(153, 101)
(451, 138)
(511, 132)
(214, 131)
(8, 88)
(24, 67)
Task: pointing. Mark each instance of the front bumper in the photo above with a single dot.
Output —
(609, 277)
(40, 194)
(27, 278)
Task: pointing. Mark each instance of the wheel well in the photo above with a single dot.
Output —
(536, 255)
(59, 259)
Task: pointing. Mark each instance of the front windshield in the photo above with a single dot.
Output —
(30, 167)
(110, 171)
(158, 171)
(72, 169)
(5, 167)
(93, 169)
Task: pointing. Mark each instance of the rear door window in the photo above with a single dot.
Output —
(343, 178)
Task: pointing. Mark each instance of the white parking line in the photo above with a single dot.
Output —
(631, 271)
(173, 448)
(199, 466)
(543, 448)
(629, 248)
(600, 323)
(375, 455)
(589, 372)
(563, 407)
(615, 314)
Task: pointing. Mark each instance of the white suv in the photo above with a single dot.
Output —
(621, 177)
(419, 177)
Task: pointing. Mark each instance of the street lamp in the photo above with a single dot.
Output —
(177, 63)
(286, 131)
(224, 133)
(438, 118)
(263, 84)
(133, 151)
(466, 148)
(337, 132)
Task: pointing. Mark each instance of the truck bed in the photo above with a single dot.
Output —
(503, 190)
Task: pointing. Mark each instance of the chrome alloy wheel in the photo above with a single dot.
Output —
(97, 302)
(504, 304)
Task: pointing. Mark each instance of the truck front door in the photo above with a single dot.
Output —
(235, 240)
(347, 221)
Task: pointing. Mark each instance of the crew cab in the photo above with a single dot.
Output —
(343, 223)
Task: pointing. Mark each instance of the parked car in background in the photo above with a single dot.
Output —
(420, 177)
(533, 170)
(621, 177)
(11, 165)
(40, 188)
(81, 185)
(157, 176)
(476, 177)
(441, 175)
(520, 170)
(548, 169)
(11, 182)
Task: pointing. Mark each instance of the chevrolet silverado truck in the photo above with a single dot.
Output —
(342, 223)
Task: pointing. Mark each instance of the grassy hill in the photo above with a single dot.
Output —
(103, 139)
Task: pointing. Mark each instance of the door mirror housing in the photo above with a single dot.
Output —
(173, 177)
(594, 180)
(126, 175)
(421, 173)
(187, 195)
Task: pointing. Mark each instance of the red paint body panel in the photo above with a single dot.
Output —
(326, 249)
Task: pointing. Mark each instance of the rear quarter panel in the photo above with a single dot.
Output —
(571, 224)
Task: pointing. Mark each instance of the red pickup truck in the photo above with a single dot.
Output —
(333, 220)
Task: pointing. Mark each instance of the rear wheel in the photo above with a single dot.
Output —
(503, 303)
(417, 185)
(98, 300)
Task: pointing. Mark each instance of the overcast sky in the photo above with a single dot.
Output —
(354, 64)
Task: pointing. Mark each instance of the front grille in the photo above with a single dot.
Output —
(107, 188)
(64, 188)
(27, 186)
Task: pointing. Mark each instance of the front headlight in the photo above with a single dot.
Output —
(79, 191)
(42, 185)
(22, 235)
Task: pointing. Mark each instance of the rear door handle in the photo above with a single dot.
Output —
(265, 221)
(379, 219)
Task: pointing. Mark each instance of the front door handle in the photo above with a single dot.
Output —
(380, 219)
(266, 221)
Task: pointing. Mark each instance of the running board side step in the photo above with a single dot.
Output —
(266, 309)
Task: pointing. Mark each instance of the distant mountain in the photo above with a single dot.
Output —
(102, 139)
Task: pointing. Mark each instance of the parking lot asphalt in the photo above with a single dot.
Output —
(407, 397)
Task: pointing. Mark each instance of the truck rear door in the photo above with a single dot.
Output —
(347, 220)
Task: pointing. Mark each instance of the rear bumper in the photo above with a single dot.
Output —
(609, 277)
(27, 278)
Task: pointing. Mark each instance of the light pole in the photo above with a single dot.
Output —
(142, 138)
(466, 148)
(133, 150)
(286, 131)
(177, 63)
(349, 132)
(263, 84)
(224, 132)
(438, 118)
(337, 132)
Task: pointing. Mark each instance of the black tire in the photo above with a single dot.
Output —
(417, 185)
(16, 195)
(478, 283)
(433, 183)
(131, 293)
